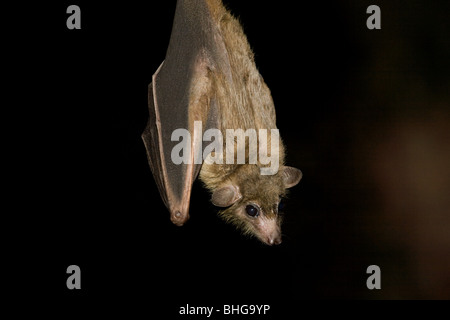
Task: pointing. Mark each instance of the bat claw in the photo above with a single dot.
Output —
(179, 218)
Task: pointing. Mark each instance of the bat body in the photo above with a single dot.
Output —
(209, 76)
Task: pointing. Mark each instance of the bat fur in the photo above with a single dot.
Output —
(244, 102)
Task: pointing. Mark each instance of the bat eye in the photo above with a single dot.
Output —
(252, 211)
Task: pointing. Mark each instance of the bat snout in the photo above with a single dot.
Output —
(271, 240)
(268, 231)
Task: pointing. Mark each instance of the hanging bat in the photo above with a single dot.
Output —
(209, 77)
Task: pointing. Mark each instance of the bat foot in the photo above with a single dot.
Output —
(179, 218)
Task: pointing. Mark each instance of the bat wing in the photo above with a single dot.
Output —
(182, 92)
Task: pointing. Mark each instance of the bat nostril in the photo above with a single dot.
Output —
(273, 240)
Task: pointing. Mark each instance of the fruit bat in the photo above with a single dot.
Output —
(209, 77)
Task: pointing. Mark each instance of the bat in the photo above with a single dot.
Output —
(209, 77)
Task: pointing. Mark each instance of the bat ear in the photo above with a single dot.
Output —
(226, 196)
(291, 176)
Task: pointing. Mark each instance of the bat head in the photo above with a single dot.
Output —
(254, 201)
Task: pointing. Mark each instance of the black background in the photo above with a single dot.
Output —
(87, 196)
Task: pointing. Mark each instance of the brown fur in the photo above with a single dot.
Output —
(246, 103)
(249, 100)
